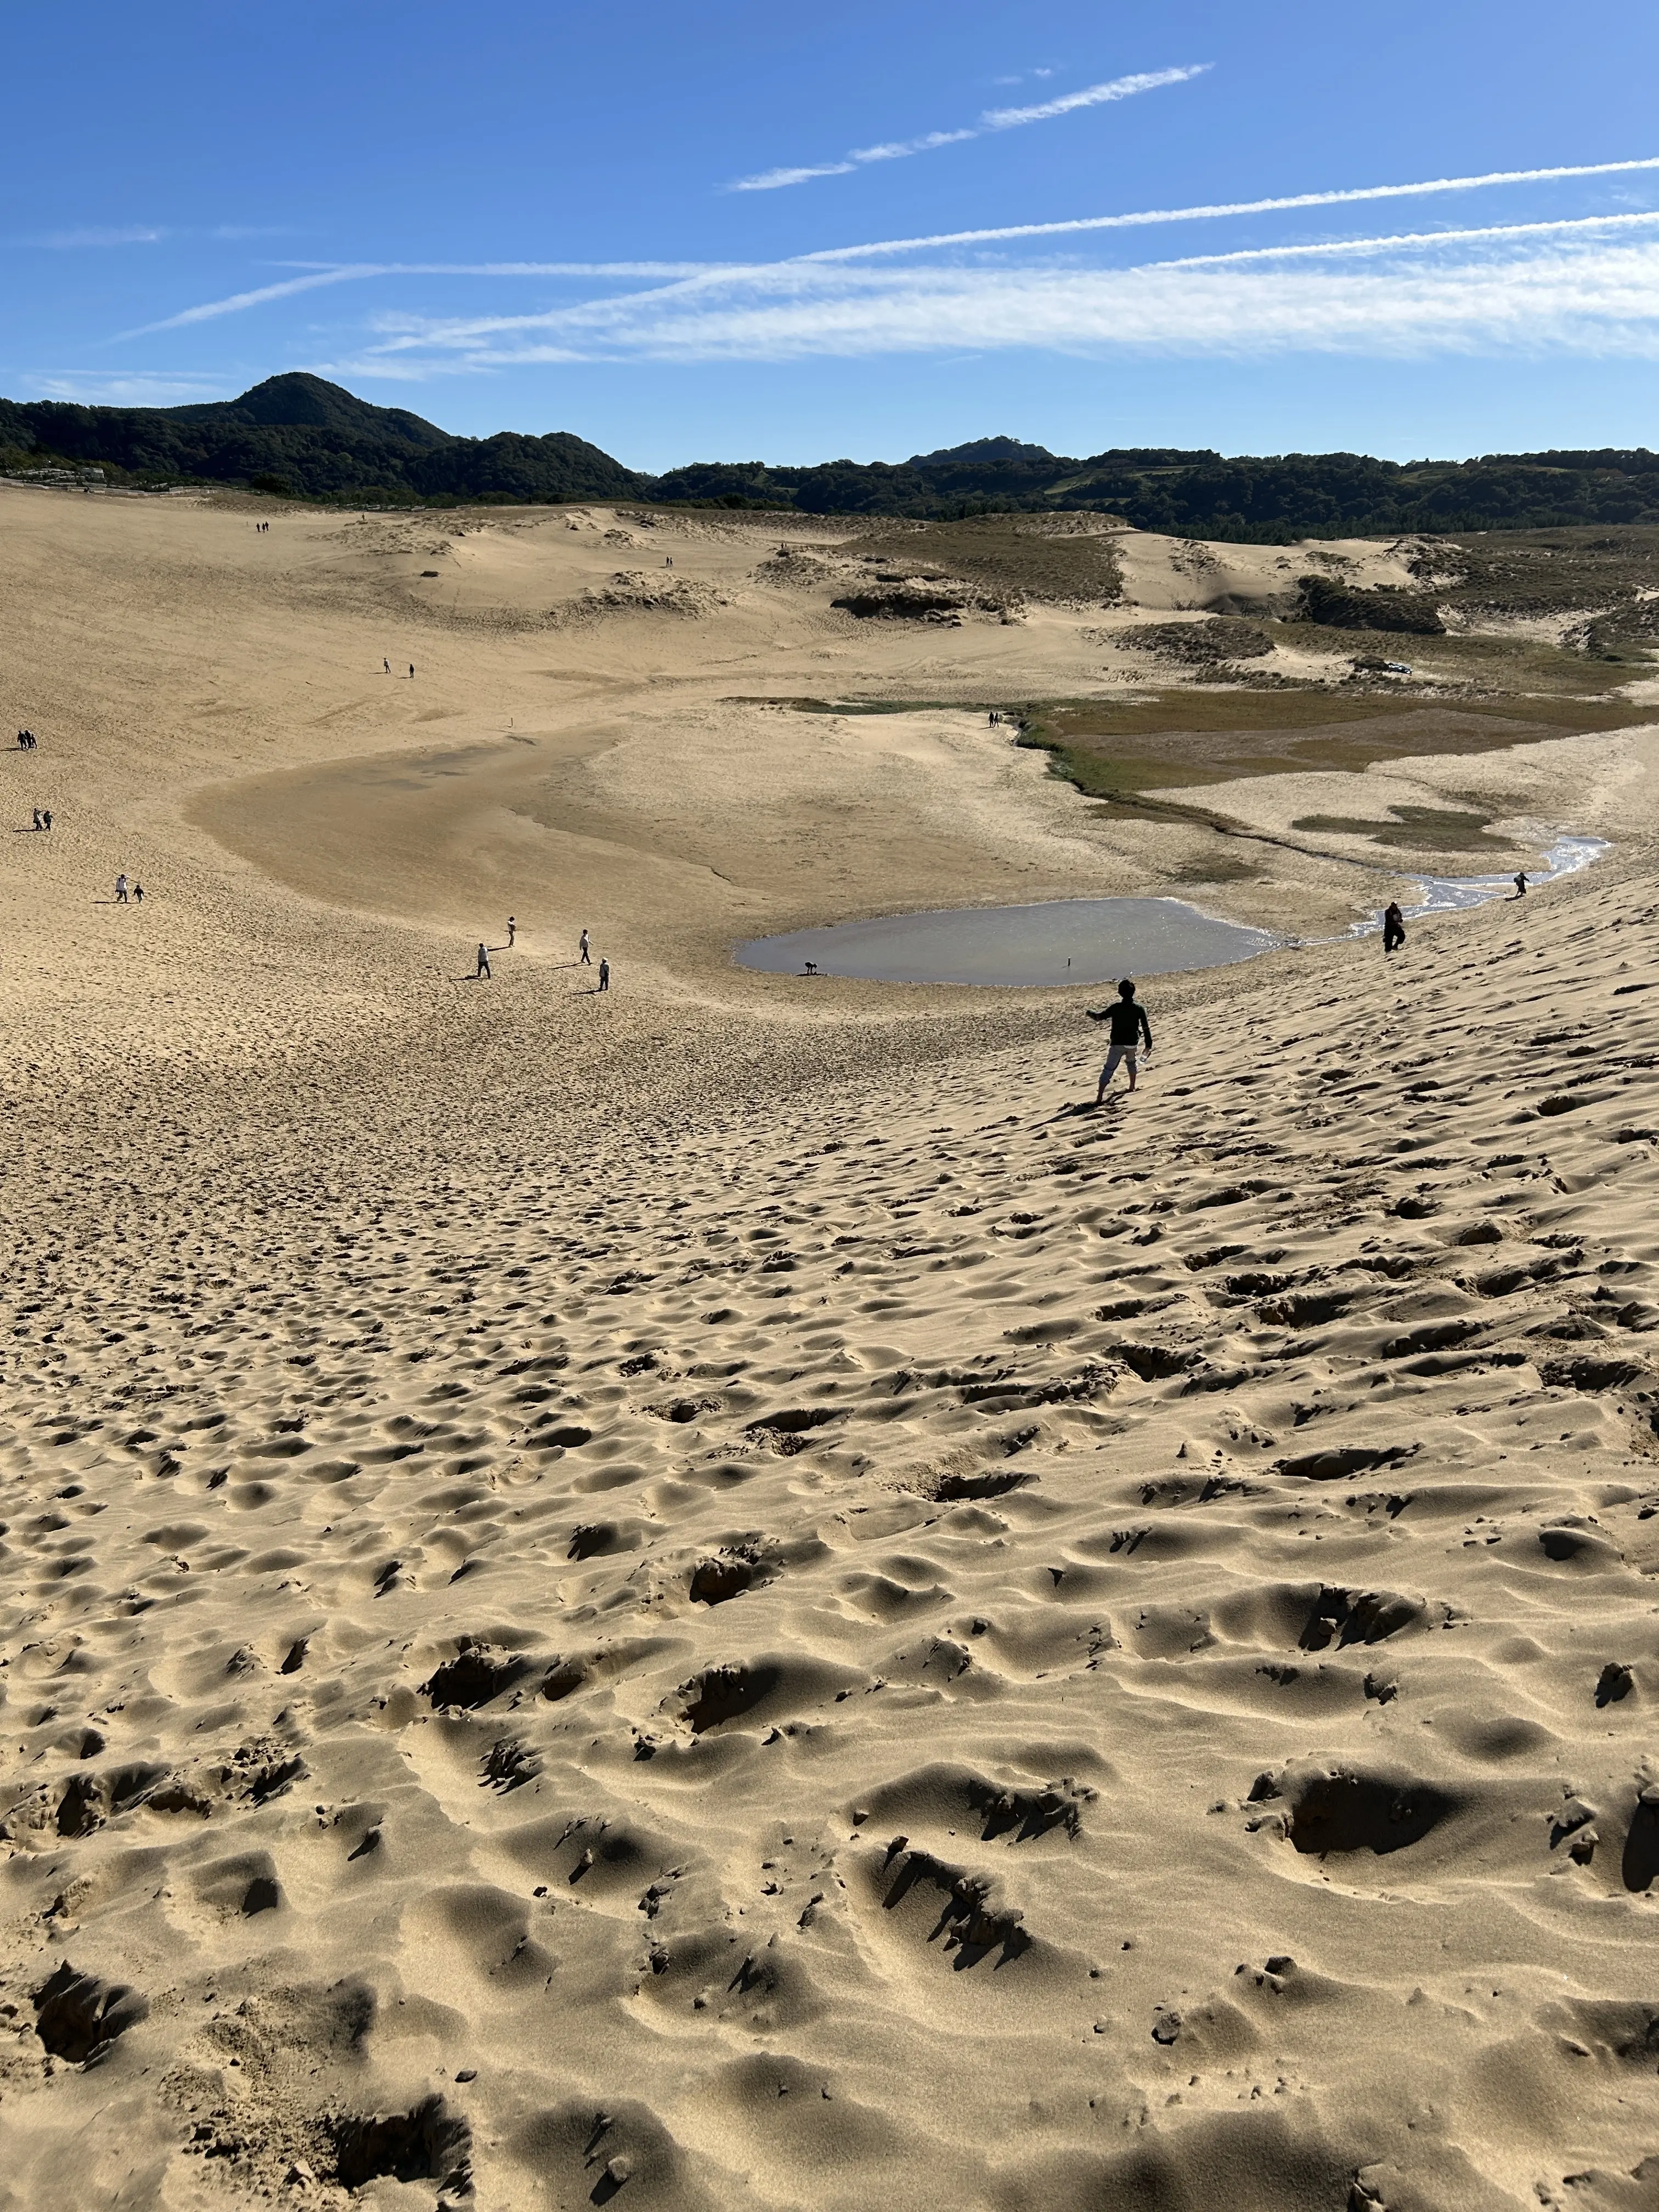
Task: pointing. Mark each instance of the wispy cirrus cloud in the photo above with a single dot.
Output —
(1217, 210)
(311, 276)
(350, 272)
(135, 388)
(1588, 285)
(993, 120)
(138, 233)
(68, 241)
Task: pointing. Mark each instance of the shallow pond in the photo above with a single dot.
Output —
(1088, 940)
(1062, 941)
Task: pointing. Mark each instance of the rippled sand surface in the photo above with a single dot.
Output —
(719, 1598)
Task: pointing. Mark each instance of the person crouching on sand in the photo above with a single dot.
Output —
(1129, 1026)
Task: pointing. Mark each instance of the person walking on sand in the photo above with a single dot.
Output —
(46, 817)
(385, 664)
(120, 890)
(512, 932)
(480, 974)
(138, 895)
(581, 952)
(1129, 1025)
(1394, 927)
(37, 824)
(605, 974)
(1521, 885)
(411, 671)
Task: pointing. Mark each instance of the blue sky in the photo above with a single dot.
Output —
(733, 231)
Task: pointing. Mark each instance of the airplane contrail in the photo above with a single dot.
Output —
(1278, 206)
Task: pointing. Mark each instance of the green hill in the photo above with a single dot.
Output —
(301, 435)
(1271, 501)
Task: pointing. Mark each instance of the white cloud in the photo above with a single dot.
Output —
(775, 180)
(63, 241)
(211, 309)
(140, 388)
(1217, 209)
(1589, 284)
(353, 272)
(1570, 287)
(993, 120)
(895, 149)
(1093, 95)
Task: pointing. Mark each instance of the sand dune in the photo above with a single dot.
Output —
(710, 1598)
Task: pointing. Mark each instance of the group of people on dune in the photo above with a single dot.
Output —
(583, 958)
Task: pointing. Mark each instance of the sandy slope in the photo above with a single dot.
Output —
(710, 1580)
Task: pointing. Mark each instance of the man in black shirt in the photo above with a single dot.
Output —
(1129, 1025)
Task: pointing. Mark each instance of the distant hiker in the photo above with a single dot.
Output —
(582, 951)
(605, 974)
(120, 890)
(480, 974)
(1129, 1025)
(1521, 885)
(386, 665)
(37, 824)
(1393, 927)
(46, 817)
(667, 560)
(411, 671)
(138, 894)
(512, 932)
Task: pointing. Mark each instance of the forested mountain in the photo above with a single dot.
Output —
(1203, 495)
(300, 435)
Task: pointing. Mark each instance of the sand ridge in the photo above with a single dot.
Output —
(711, 1597)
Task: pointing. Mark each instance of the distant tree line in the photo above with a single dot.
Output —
(299, 436)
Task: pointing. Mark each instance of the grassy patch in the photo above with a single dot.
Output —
(1418, 828)
(1066, 561)
(1120, 750)
(1222, 869)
